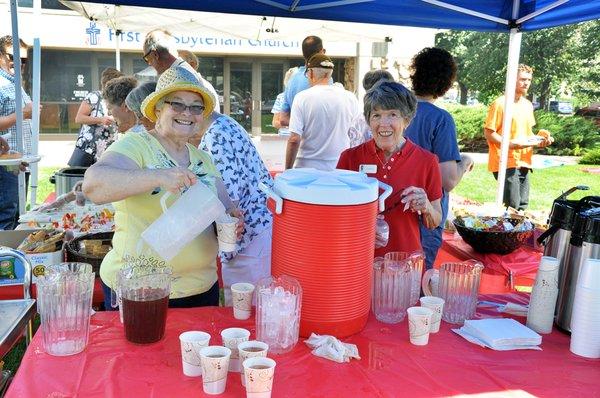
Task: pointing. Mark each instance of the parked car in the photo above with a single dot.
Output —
(590, 112)
(563, 107)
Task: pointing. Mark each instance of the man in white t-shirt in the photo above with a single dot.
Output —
(320, 119)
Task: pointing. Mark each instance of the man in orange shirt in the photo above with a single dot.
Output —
(522, 141)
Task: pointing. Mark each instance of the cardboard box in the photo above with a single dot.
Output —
(38, 261)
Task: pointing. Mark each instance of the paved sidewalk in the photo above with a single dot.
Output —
(271, 148)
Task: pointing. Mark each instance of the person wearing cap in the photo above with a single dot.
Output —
(298, 81)
(410, 170)
(139, 169)
(320, 120)
(134, 102)
(242, 169)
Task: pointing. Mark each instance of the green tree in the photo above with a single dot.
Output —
(566, 54)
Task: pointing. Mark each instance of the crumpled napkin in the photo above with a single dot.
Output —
(509, 308)
(514, 309)
(329, 347)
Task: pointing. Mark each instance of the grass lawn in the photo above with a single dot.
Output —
(546, 185)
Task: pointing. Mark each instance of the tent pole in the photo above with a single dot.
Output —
(514, 50)
(35, 120)
(18, 97)
(35, 93)
(118, 50)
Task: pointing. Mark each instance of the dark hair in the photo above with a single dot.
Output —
(389, 95)
(109, 74)
(310, 46)
(116, 90)
(373, 76)
(433, 71)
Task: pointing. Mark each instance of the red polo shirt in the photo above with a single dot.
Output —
(411, 166)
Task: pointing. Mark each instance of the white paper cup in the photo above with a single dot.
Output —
(259, 374)
(251, 349)
(419, 323)
(241, 294)
(436, 305)
(231, 338)
(589, 276)
(215, 364)
(226, 233)
(191, 344)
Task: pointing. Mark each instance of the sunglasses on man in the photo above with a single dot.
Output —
(145, 56)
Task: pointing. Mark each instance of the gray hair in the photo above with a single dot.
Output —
(161, 41)
(389, 95)
(135, 98)
(322, 73)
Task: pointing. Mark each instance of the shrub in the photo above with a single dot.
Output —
(469, 127)
(591, 157)
(573, 134)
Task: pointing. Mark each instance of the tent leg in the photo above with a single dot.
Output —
(514, 49)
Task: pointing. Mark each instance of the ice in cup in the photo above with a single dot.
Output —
(241, 294)
(419, 323)
(226, 233)
(232, 337)
(191, 344)
(435, 304)
(251, 349)
(259, 374)
(215, 365)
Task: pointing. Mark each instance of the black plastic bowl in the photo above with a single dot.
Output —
(499, 242)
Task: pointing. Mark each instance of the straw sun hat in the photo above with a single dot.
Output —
(177, 79)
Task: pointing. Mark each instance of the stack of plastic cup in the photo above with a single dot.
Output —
(585, 320)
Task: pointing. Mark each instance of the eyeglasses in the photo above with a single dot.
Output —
(306, 71)
(145, 56)
(11, 58)
(180, 107)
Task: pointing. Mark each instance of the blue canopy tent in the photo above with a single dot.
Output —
(510, 16)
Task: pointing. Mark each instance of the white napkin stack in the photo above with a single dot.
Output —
(329, 347)
(500, 334)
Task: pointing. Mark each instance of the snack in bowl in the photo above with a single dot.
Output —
(43, 241)
(501, 235)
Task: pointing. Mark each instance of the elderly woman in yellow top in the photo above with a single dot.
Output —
(137, 170)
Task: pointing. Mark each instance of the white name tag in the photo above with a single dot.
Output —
(368, 168)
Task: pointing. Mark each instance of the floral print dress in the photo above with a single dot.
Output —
(95, 138)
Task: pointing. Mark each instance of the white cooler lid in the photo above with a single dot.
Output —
(337, 187)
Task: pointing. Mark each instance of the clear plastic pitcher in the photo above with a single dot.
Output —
(145, 298)
(64, 300)
(278, 306)
(391, 290)
(458, 286)
(415, 261)
(196, 209)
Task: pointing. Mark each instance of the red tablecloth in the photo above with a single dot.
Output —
(502, 272)
(390, 365)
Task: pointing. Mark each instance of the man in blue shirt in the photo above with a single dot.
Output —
(311, 45)
(433, 71)
(9, 188)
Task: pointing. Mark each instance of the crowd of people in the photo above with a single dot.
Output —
(169, 135)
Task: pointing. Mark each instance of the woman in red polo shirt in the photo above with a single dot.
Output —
(412, 171)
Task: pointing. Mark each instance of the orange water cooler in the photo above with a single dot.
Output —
(324, 236)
